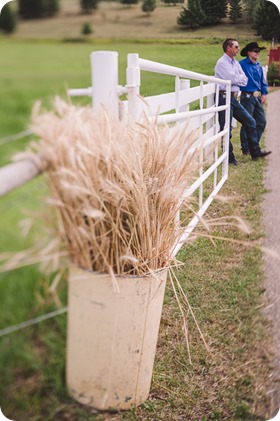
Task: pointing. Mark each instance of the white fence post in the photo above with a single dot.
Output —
(226, 139)
(105, 76)
(180, 85)
(209, 153)
(133, 87)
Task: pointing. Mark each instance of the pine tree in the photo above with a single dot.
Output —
(51, 7)
(191, 16)
(235, 10)
(7, 20)
(88, 5)
(214, 10)
(148, 6)
(266, 20)
(129, 2)
(33, 9)
(174, 2)
(249, 8)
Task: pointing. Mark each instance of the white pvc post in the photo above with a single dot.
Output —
(184, 84)
(209, 156)
(133, 87)
(227, 127)
(180, 85)
(104, 71)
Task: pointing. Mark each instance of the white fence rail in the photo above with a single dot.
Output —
(197, 104)
(16, 174)
(170, 108)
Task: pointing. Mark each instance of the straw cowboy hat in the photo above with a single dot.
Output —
(249, 47)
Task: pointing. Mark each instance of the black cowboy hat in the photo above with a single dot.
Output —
(249, 47)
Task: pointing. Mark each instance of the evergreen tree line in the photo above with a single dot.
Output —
(262, 15)
(202, 12)
(36, 9)
(33, 9)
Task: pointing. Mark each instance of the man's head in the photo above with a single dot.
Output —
(252, 50)
(231, 47)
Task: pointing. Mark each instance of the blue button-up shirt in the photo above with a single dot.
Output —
(256, 79)
(229, 69)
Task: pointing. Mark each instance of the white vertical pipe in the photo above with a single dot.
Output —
(104, 73)
(216, 129)
(180, 84)
(184, 84)
(227, 127)
(201, 105)
(209, 158)
(201, 162)
(177, 94)
(133, 81)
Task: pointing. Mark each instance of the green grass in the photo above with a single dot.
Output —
(32, 71)
(223, 281)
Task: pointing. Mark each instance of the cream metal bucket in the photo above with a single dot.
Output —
(112, 336)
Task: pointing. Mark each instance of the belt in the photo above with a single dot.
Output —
(256, 94)
(233, 93)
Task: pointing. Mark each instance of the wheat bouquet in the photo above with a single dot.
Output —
(117, 188)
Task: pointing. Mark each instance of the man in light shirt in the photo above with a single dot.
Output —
(228, 68)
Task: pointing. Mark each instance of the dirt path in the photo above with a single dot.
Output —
(271, 215)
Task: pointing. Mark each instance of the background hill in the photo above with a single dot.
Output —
(114, 20)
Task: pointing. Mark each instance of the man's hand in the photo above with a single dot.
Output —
(263, 99)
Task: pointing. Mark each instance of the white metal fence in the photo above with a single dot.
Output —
(197, 104)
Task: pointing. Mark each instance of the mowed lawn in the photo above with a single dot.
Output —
(33, 71)
(222, 280)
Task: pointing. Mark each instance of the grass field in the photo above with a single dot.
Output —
(223, 281)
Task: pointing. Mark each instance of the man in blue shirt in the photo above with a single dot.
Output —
(228, 68)
(253, 95)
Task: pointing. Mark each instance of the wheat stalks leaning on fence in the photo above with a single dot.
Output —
(116, 188)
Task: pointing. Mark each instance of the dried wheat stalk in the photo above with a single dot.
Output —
(116, 188)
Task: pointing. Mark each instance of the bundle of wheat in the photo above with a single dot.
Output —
(117, 188)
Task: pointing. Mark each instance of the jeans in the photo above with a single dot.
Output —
(240, 114)
(256, 110)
